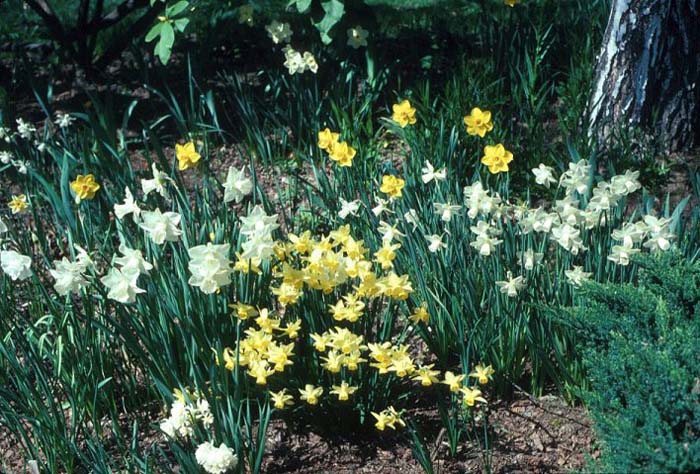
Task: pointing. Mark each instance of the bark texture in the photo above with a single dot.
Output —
(648, 72)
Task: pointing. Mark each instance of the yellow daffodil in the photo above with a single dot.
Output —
(453, 381)
(186, 155)
(426, 375)
(388, 418)
(18, 204)
(342, 153)
(496, 158)
(243, 311)
(404, 114)
(471, 395)
(310, 394)
(420, 314)
(511, 3)
(84, 187)
(326, 139)
(282, 399)
(482, 374)
(382, 420)
(478, 122)
(392, 186)
(343, 391)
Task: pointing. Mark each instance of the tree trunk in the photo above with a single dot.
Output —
(648, 72)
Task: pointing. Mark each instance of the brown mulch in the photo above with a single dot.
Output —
(543, 435)
(528, 435)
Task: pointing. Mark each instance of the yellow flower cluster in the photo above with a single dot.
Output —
(344, 349)
(338, 151)
(388, 418)
(259, 352)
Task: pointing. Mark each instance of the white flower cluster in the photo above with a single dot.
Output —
(15, 265)
(257, 227)
(210, 267)
(215, 460)
(184, 417)
(70, 275)
(122, 282)
(298, 63)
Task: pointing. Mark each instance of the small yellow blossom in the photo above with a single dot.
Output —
(453, 381)
(326, 139)
(186, 155)
(84, 187)
(420, 314)
(426, 375)
(243, 311)
(282, 399)
(342, 153)
(483, 374)
(18, 203)
(392, 186)
(388, 418)
(478, 122)
(343, 391)
(511, 3)
(404, 114)
(496, 158)
(310, 394)
(471, 396)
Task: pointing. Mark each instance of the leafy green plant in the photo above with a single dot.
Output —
(638, 344)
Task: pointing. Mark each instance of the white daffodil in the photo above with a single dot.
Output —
(659, 234)
(348, 208)
(629, 234)
(5, 157)
(567, 236)
(122, 286)
(478, 201)
(435, 243)
(69, 276)
(245, 14)
(279, 32)
(411, 217)
(157, 184)
(576, 276)
(210, 267)
(357, 37)
(429, 174)
(511, 286)
(529, 258)
(381, 207)
(624, 184)
(161, 227)
(63, 120)
(576, 177)
(16, 265)
(389, 233)
(215, 460)
(132, 261)
(310, 62)
(257, 222)
(447, 210)
(128, 207)
(237, 185)
(621, 254)
(25, 129)
(544, 175)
